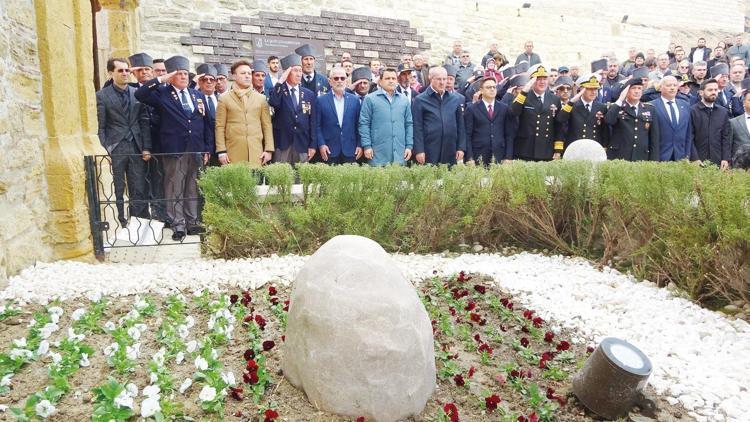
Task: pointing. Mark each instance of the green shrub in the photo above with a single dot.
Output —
(666, 222)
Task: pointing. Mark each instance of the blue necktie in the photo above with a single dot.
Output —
(672, 113)
(294, 97)
(185, 104)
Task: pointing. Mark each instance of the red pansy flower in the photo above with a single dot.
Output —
(542, 363)
(589, 349)
(233, 299)
(283, 337)
(248, 318)
(503, 328)
(480, 289)
(268, 345)
(491, 402)
(548, 336)
(484, 347)
(524, 342)
(514, 374)
(252, 366)
(452, 310)
(528, 314)
(459, 380)
(563, 345)
(236, 393)
(249, 354)
(477, 338)
(270, 415)
(475, 317)
(550, 393)
(525, 329)
(274, 301)
(462, 276)
(470, 306)
(237, 414)
(286, 306)
(451, 410)
(260, 321)
(471, 371)
(272, 291)
(361, 419)
(537, 322)
(533, 417)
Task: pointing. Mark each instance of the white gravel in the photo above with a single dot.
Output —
(700, 358)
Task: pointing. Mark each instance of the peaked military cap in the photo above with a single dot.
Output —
(719, 69)
(518, 80)
(538, 71)
(206, 69)
(260, 66)
(221, 70)
(589, 81)
(403, 68)
(360, 73)
(452, 71)
(177, 63)
(600, 64)
(745, 84)
(634, 81)
(564, 80)
(640, 73)
(508, 72)
(522, 67)
(305, 50)
(141, 60)
(293, 59)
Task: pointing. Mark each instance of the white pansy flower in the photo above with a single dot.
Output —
(84, 362)
(94, 296)
(111, 349)
(140, 304)
(214, 354)
(228, 378)
(20, 342)
(3, 408)
(182, 331)
(20, 353)
(124, 400)
(109, 326)
(191, 346)
(159, 356)
(133, 314)
(78, 314)
(56, 357)
(43, 348)
(133, 351)
(2, 309)
(131, 389)
(32, 322)
(75, 337)
(179, 357)
(201, 363)
(48, 329)
(44, 409)
(185, 385)
(150, 406)
(208, 393)
(211, 322)
(56, 310)
(141, 327)
(134, 333)
(151, 391)
(6, 380)
(189, 321)
(152, 377)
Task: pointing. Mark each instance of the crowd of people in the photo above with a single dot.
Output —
(677, 105)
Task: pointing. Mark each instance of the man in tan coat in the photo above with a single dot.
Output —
(243, 121)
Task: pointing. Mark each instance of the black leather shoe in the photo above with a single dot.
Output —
(178, 236)
(192, 231)
(124, 224)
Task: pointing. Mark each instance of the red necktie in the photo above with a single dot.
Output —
(489, 110)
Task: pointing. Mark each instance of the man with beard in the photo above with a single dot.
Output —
(711, 128)
(635, 131)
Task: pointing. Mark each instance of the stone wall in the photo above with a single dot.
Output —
(23, 187)
(564, 33)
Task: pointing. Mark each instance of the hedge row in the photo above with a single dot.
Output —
(665, 222)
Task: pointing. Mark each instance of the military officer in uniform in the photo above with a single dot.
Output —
(312, 80)
(635, 130)
(585, 114)
(294, 115)
(539, 134)
(186, 134)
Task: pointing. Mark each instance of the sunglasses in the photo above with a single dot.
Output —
(339, 78)
(123, 70)
(563, 88)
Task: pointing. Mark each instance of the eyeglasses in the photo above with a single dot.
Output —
(364, 82)
(563, 88)
(339, 78)
(123, 70)
(209, 80)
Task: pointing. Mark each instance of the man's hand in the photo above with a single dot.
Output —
(224, 158)
(265, 157)
(623, 94)
(205, 158)
(529, 84)
(285, 75)
(470, 163)
(724, 165)
(459, 156)
(506, 161)
(324, 151)
(407, 154)
(358, 153)
(146, 155)
(198, 77)
(310, 153)
(369, 153)
(475, 97)
(167, 79)
(556, 156)
(577, 96)
(420, 157)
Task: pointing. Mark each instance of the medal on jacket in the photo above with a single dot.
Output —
(201, 108)
(646, 119)
(553, 109)
(305, 107)
(599, 117)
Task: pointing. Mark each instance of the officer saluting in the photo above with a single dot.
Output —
(585, 114)
(311, 79)
(539, 136)
(635, 131)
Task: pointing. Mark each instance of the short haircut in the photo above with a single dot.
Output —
(741, 158)
(437, 69)
(701, 38)
(111, 63)
(336, 69)
(346, 61)
(155, 61)
(700, 63)
(373, 60)
(238, 63)
(744, 94)
(271, 58)
(705, 83)
(680, 47)
(388, 70)
(485, 79)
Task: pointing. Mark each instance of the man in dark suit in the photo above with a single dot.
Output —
(311, 79)
(206, 80)
(711, 128)
(439, 133)
(635, 130)
(293, 116)
(584, 115)
(539, 136)
(336, 121)
(673, 116)
(124, 132)
(489, 127)
(740, 125)
(185, 131)
(700, 52)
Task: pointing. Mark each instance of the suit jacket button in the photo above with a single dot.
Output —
(635, 137)
(190, 131)
(634, 145)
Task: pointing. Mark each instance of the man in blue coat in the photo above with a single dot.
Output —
(489, 127)
(293, 116)
(385, 123)
(185, 131)
(439, 132)
(673, 115)
(336, 120)
(311, 79)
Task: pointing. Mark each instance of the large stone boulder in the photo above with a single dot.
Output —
(585, 149)
(358, 340)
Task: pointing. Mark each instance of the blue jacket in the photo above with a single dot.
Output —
(439, 126)
(386, 127)
(318, 85)
(675, 140)
(293, 126)
(339, 139)
(179, 131)
(484, 133)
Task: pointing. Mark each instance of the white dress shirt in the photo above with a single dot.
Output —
(339, 104)
(676, 109)
(296, 91)
(187, 95)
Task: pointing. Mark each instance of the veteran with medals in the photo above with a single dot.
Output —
(635, 130)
